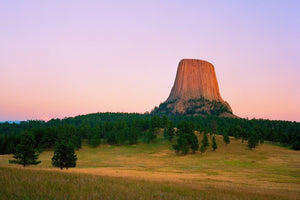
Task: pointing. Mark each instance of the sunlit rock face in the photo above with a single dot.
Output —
(195, 91)
(195, 79)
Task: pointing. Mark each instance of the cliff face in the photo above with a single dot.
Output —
(195, 91)
(195, 79)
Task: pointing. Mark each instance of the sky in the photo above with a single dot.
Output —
(65, 58)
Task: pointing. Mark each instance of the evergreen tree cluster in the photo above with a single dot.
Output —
(186, 138)
(64, 156)
(26, 154)
(125, 128)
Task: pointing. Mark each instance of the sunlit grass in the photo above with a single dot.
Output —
(17, 183)
(154, 171)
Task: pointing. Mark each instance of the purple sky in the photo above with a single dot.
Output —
(60, 59)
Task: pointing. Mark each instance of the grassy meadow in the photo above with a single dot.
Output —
(154, 171)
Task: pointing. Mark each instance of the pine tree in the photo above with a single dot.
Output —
(214, 126)
(25, 153)
(64, 156)
(94, 140)
(226, 138)
(236, 131)
(165, 121)
(253, 140)
(133, 135)
(204, 141)
(214, 144)
(170, 131)
(150, 136)
(194, 142)
(186, 138)
(244, 135)
(184, 147)
(166, 134)
(94, 136)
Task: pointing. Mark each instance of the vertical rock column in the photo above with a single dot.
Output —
(195, 79)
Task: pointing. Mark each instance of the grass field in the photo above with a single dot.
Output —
(154, 171)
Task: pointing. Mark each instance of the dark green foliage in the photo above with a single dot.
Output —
(94, 136)
(170, 131)
(194, 142)
(133, 135)
(186, 138)
(49, 138)
(253, 140)
(150, 136)
(69, 134)
(214, 143)
(296, 145)
(244, 135)
(111, 137)
(75, 129)
(181, 146)
(25, 153)
(165, 121)
(155, 123)
(165, 133)
(94, 140)
(184, 145)
(64, 156)
(226, 138)
(236, 131)
(164, 108)
(195, 106)
(8, 143)
(85, 130)
(120, 131)
(204, 141)
(214, 126)
(38, 134)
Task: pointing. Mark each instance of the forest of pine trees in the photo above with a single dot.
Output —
(127, 129)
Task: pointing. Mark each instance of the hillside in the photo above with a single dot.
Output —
(154, 171)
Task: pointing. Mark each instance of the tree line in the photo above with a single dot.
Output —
(132, 128)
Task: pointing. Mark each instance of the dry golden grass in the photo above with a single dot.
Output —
(232, 172)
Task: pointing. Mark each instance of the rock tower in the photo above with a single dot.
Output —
(195, 91)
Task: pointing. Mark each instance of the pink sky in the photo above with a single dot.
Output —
(61, 59)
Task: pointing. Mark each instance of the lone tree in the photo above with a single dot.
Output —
(25, 153)
(204, 141)
(64, 156)
(194, 142)
(214, 144)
